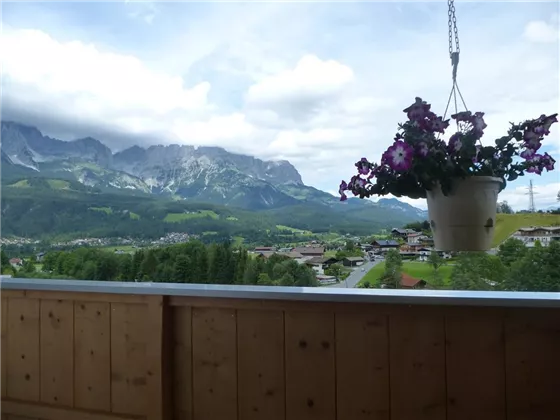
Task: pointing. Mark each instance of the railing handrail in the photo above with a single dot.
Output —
(311, 294)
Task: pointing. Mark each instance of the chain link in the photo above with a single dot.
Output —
(452, 23)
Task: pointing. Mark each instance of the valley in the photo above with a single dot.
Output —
(63, 190)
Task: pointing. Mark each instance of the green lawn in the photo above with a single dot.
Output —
(293, 230)
(232, 218)
(134, 216)
(125, 248)
(58, 184)
(419, 270)
(24, 183)
(106, 210)
(507, 224)
(179, 217)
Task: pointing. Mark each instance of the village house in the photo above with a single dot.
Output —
(16, 262)
(542, 234)
(319, 264)
(265, 249)
(409, 282)
(401, 233)
(40, 256)
(352, 261)
(326, 279)
(382, 245)
(310, 251)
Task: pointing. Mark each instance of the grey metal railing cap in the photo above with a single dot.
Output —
(311, 294)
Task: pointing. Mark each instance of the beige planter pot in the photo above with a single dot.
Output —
(464, 220)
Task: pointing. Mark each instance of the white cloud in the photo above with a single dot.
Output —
(545, 196)
(542, 32)
(75, 79)
(311, 80)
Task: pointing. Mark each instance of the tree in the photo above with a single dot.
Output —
(335, 270)
(148, 266)
(477, 271)
(436, 261)
(511, 250)
(28, 267)
(504, 207)
(393, 270)
(537, 271)
(182, 269)
(264, 280)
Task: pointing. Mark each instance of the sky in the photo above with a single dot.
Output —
(319, 84)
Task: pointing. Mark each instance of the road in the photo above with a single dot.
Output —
(356, 275)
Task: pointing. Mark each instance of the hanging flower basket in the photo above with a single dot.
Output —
(460, 178)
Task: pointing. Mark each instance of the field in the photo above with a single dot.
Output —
(507, 224)
(419, 270)
(293, 230)
(106, 210)
(58, 184)
(178, 217)
(24, 183)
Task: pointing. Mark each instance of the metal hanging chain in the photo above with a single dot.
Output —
(454, 55)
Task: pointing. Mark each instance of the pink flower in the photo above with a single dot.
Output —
(399, 156)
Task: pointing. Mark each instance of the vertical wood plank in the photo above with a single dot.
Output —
(362, 366)
(214, 364)
(310, 366)
(57, 352)
(417, 364)
(23, 376)
(4, 343)
(532, 364)
(129, 337)
(158, 376)
(475, 364)
(92, 352)
(182, 363)
(260, 346)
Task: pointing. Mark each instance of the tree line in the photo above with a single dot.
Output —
(514, 268)
(192, 262)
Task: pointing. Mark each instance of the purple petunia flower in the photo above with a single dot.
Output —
(455, 143)
(363, 166)
(527, 153)
(399, 156)
(341, 189)
(548, 162)
(417, 111)
(536, 164)
(422, 149)
(478, 123)
(438, 125)
(464, 116)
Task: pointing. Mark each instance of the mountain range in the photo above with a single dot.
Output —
(180, 172)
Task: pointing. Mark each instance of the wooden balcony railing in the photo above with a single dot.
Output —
(82, 350)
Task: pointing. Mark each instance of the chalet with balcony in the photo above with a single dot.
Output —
(382, 245)
(399, 233)
(352, 261)
(544, 235)
(310, 251)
